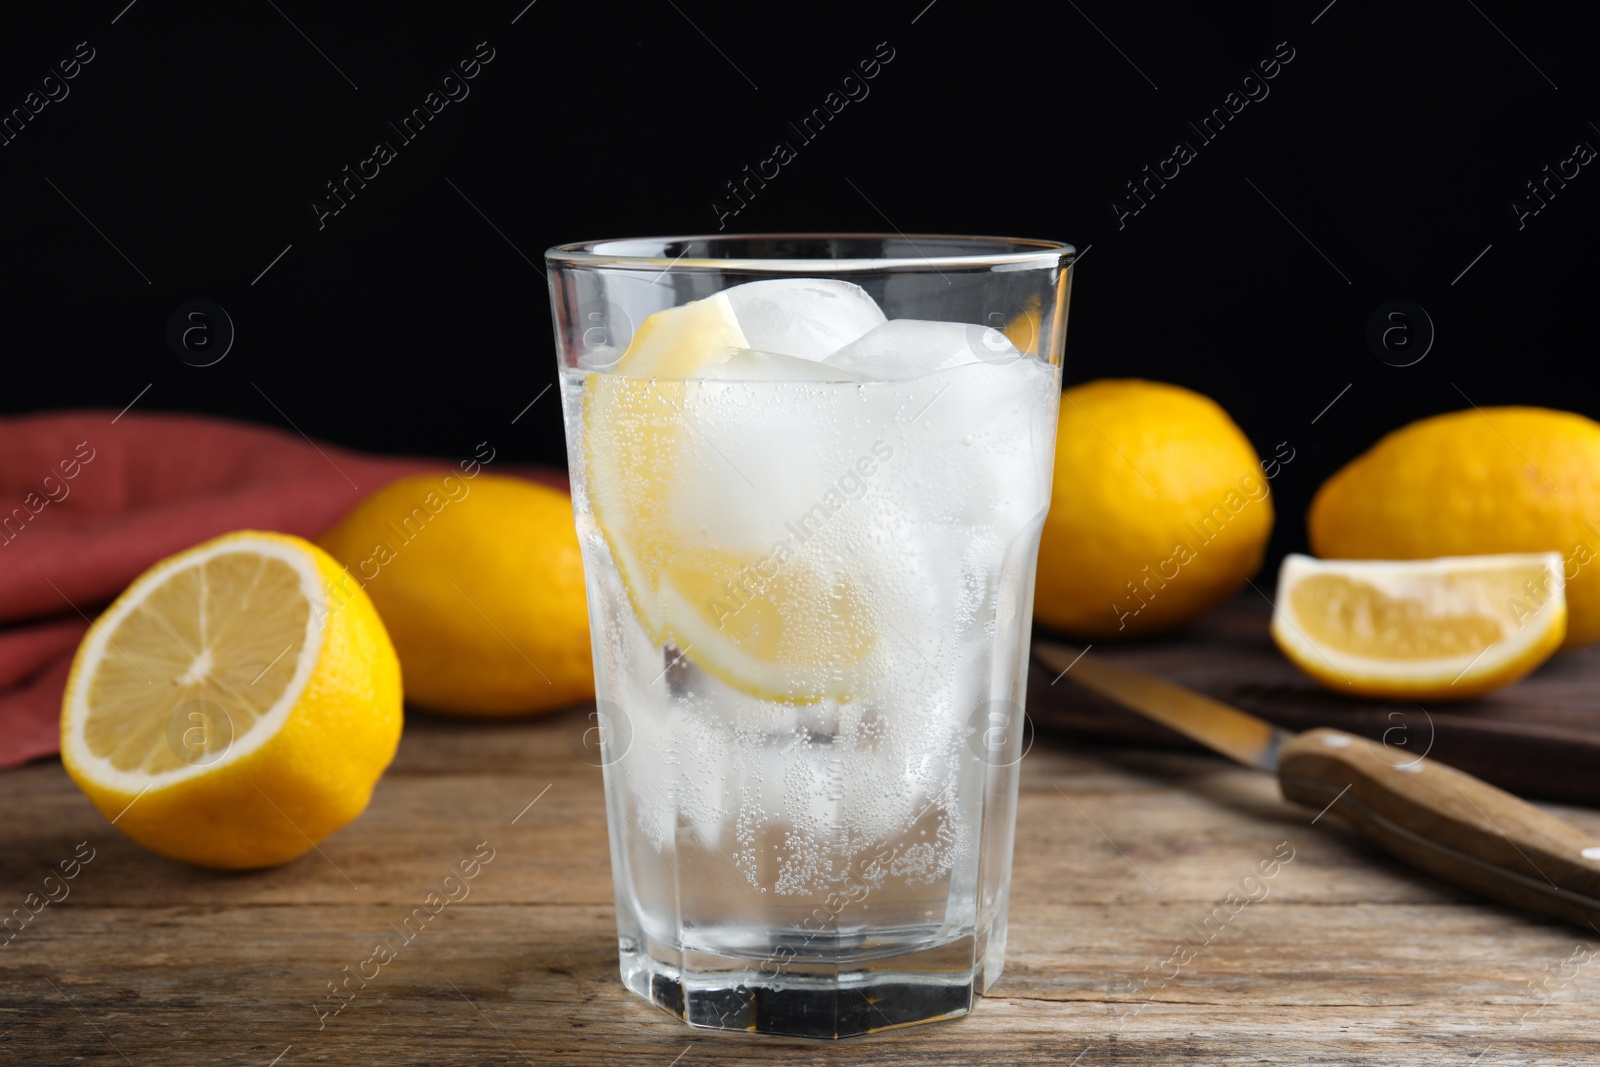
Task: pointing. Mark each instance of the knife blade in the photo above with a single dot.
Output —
(1434, 817)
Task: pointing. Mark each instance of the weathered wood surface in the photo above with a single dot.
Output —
(1122, 856)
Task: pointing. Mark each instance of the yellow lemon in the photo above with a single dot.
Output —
(1159, 511)
(1508, 479)
(800, 638)
(1439, 629)
(1024, 330)
(480, 582)
(674, 343)
(233, 707)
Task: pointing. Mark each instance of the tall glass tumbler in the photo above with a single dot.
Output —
(809, 474)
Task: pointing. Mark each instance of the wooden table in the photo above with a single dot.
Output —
(1122, 855)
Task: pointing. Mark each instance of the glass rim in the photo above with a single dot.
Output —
(1002, 252)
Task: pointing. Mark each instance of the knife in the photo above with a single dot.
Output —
(1434, 817)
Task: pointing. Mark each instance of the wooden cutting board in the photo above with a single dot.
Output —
(1538, 738)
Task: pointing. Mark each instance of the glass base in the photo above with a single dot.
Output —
(808, 998)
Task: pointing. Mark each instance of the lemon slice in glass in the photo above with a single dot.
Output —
(778, 630)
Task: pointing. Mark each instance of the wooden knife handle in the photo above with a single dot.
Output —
(1448, 823)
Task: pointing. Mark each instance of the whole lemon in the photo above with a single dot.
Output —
(1160, 510)
(1489, 480)
(480, 583)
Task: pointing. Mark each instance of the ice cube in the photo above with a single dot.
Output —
(803, 317)
(912, 348)
(748, 365)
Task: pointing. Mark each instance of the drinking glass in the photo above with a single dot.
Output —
(809, 474)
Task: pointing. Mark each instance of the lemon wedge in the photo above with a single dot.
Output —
(1439, 629)
(780, 630)
(235, 705)
(679, 341)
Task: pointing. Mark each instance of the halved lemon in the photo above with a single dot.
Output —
(1438, 629)
(781, 629)
(235, 705)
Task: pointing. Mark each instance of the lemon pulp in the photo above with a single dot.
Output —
(225, 633)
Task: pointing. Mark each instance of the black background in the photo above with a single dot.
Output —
(1382, 163)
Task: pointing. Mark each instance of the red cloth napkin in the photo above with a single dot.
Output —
(90, 499)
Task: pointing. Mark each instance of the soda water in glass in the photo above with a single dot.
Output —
(809, 474)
